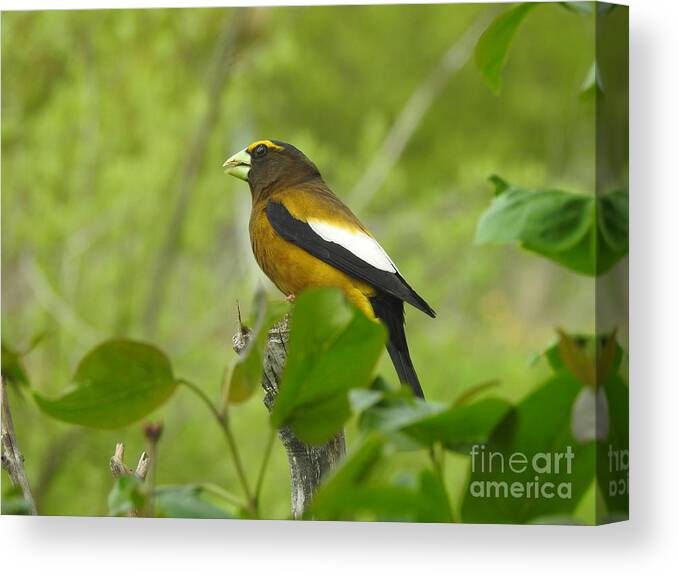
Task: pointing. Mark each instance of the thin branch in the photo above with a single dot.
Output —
(412, 113)
(12, 460)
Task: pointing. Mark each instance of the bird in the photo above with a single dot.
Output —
(303, 236)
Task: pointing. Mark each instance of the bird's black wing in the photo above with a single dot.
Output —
(301, 234)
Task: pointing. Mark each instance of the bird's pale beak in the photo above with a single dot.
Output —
(238, 165)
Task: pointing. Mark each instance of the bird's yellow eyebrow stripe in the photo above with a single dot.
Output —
(266, 143)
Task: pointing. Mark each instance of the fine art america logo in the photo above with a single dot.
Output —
(527, 471)
(530, 475)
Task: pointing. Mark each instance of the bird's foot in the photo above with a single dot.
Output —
(290, 298)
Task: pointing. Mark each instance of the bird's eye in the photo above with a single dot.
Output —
(260, 151)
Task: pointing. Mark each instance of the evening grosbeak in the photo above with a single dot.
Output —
(303, 236)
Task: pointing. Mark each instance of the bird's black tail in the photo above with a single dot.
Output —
(390, 311)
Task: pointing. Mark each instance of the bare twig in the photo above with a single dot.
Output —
(412, 113)
(240, 27)
(118, 467)
(12, 460)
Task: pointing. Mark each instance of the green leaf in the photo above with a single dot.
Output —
(549, 220)
(585, 233)
(185, 502)
(117, 383)
(335, 498)
(460, 426)
(351, 494)
(356, 492)
(412, 424)
(363, 399)
(13, 502)
(540, 424)
(433, 502)
(333, 348)
(247, 369)
(13, 371)
(500, 184)
(613, 220)
(397, 413)
(492, 48)
(126, 497)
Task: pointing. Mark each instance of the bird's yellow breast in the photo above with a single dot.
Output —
(293, 270)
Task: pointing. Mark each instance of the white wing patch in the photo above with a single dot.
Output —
(358, 243)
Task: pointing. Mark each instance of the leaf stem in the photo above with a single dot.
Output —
(239, 468)
(223, 494)
(223, 421)
(264, 465)
(203, 396)
(438, 462)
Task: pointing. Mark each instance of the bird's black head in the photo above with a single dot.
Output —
(270, 164)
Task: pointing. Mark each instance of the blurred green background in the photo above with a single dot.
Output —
(118, 220)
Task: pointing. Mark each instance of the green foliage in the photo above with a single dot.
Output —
(585, 233)
(333, 348)
(538, 424)
(545, 422)
(13, 370)
(596, 362)
(117, 383)
(186, 502)
(493, 46)
(246, 370)
(459, 426)
(591, 359)
(352, 492)
(127, 496)
(13, 502)
(414, 423)
(433, 502)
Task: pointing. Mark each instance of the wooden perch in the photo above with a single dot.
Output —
(12, 460)
(308, 464)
